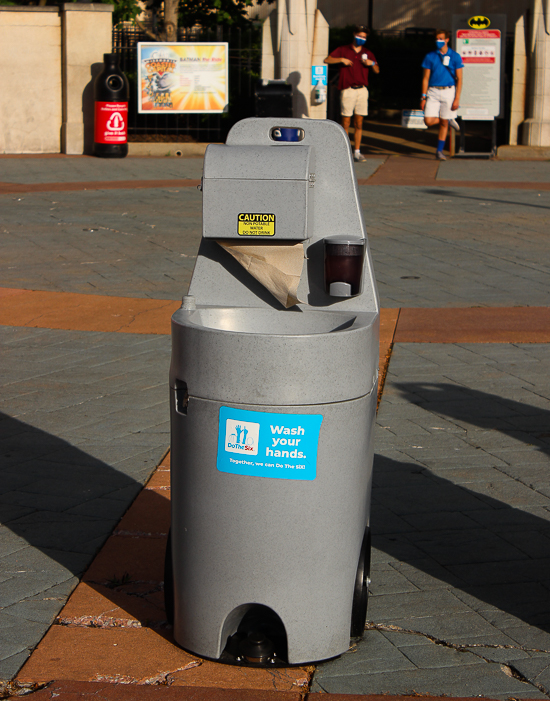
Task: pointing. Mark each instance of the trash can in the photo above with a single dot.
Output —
(273, 98)
(273, 386)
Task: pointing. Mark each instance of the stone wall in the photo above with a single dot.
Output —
(396, 15)
(49, 57)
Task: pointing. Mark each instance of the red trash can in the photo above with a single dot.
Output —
(111, 93)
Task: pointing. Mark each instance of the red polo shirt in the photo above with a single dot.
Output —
(357, 73)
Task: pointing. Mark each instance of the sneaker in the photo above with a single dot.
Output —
(454, 124)
(358, 157)
(440, 156)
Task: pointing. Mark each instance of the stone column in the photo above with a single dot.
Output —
(30, 79)
(536, 129)
(519, 82)
(318, 54)
(295, 35)
(87, 35)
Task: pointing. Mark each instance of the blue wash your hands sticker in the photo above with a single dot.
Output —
(262, 444)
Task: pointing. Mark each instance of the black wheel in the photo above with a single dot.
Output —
(361, 590)
(169, 581)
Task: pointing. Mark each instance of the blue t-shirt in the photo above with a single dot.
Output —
(439, 73)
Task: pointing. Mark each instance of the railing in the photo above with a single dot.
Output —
(244, 72)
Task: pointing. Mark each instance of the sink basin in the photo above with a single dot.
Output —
(269, 321)
(255, 355)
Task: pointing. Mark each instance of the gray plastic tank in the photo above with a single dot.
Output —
(272, 410)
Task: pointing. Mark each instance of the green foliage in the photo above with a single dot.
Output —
(212, 13)
(125, 10)
(207, 13)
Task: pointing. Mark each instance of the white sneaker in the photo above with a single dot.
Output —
(440, 156)
(454, 124)
(358, 157)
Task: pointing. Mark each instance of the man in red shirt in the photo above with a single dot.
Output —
(354, 79)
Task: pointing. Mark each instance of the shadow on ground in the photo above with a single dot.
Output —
(490, 549)
(65, 503)
(448, 192)
(58, 507)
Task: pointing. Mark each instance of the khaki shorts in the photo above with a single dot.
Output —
(354, 101)
(438, 103)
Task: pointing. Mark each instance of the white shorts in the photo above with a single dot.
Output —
(438, 103)
(354, 101)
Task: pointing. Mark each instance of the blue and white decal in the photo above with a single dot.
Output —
(261, 444)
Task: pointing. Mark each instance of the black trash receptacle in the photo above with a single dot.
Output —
(273, 98)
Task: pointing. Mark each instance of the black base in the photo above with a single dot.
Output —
(361, 592)
(110, 150)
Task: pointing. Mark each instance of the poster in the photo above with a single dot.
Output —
(480, 52)
(182, 77)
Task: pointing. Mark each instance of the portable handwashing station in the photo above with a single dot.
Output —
(273, 385)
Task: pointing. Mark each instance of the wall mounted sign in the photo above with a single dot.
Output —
(182, 77)
(265, 444)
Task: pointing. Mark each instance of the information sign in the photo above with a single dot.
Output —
(182, 77)
(413, 119)
(319, 74)
(481, 53)
(265, 444)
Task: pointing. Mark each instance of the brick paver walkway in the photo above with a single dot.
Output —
(461, 503)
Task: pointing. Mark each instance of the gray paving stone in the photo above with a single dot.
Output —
(385, 579)
(414, 605)
(438, 656)
(536, 669)
(471, 680)
(140, 248)
(428, 506)
(494, 171)
(427, 574)
(385, 521)
(502, 582)
(458, 628)
(38, 170)
(10, 665)
(529, 638)
(63, 494)
(40, 611)
(440, 522)
(374, 653)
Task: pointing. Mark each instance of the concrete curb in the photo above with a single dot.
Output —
(179, 150)
(523, 153)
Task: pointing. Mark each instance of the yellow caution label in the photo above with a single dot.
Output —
(255, 224)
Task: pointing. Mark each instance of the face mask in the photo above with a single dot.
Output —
(359, 41)
(440, 44)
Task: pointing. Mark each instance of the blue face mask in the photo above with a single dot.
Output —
(440, 44)
(359, 41)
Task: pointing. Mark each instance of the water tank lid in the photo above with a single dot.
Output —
(346, 240)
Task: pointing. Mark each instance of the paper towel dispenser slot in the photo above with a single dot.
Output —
(258, 193)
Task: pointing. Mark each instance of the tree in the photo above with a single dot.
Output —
(188, 13)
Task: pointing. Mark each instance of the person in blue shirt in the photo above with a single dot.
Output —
(441, 87)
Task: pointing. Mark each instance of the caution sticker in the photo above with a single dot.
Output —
(255, 224)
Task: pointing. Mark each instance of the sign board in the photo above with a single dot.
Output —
(182, 77)
(413, 119)
(265, 444)
(479, 41)
(319, 73)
